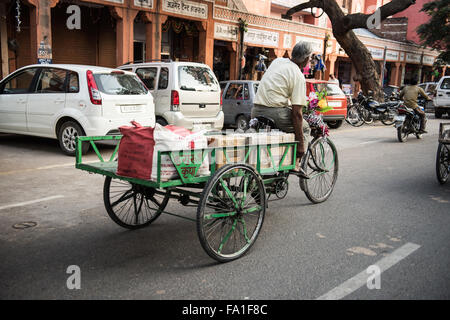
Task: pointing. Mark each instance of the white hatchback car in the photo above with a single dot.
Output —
(442, 97)
(186, 94)
(65, 101)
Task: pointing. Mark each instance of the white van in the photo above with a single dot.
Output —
(64, 101)
(442, 97)
(186, 94)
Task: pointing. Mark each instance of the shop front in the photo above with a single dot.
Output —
(93, 43)
(260, 46)
(187, 31)
(225, 51)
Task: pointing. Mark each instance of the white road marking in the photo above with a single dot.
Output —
(21, 204)
(63, 165)
(371, 141)
(360, 279)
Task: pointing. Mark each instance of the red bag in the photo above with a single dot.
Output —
(136, 151)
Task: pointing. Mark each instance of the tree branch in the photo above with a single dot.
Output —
(301, 6)
(359, 20)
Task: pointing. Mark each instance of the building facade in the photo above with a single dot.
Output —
(113, 32)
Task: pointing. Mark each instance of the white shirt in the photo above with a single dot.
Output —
(283, 84)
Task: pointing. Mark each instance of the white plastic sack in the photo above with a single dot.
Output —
(169, 140)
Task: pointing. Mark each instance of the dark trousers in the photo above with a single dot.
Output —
(423, 119)
(286, 119)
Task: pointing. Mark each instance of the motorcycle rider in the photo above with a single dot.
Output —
(409, 95)
(281, 96)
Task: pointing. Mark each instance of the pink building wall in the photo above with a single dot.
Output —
(415, 19)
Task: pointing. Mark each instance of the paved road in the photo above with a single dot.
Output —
(387, 210)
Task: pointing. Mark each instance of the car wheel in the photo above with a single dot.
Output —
(334, 124)
(162, 121)
(67, 137)
(242, 122)
(438, 113)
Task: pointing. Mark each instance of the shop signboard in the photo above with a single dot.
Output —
(377, 53)
(186, 8)
(316, 44)
(413, 58)
(148, 4)
(392, 55)
(428, 60)
(225, 32)
(261, 37)
(287, 41)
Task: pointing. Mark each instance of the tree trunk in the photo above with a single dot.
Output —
(366, 68)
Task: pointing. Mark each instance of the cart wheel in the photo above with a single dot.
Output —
(131, 205)
(443, 163)
(231, 212)
(321, 165)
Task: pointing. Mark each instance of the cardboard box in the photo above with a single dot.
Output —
(228, 154)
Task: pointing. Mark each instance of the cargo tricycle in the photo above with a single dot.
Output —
(231, 200)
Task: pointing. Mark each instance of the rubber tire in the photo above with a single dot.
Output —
(400, 136)
(304, 182)
(441, 180)
(334, 124)
(438, 114)
(80, 132)
(202, 203)
(357, 124)
(162, 121)
(388, 122)
(240, 119)
(113, 216)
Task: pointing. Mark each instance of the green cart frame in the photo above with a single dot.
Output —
(231, 201)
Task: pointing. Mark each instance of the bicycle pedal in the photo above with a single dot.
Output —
(299, 174)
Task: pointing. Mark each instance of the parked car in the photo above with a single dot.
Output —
(64, 101)
(237, 97)
(336, 98)
(430, 90)
(442, 97)
(186, 94)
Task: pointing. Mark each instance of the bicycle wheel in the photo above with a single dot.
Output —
(354, 117)
(366, 116)
(443, 163)
(131, 205)
(321, 164)
(231, 212)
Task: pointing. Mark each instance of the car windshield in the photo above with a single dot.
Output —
(445, 84)
(119, 84)
(193, 78)
(332, 89)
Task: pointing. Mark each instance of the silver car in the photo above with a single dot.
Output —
(237, 97)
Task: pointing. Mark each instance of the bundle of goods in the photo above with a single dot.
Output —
(229, 154)
(139, 146)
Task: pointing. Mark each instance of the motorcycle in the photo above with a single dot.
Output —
(367, 110)
(407, 122)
